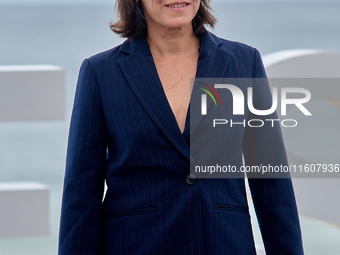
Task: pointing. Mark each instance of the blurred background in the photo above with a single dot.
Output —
(64, 32)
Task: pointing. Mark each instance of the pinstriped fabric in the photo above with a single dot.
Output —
(120, 108)
(82, 208)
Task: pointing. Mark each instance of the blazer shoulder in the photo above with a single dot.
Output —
(245, 55)
(105, 57)
(237, 48)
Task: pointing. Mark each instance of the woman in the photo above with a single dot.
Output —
(130, 127)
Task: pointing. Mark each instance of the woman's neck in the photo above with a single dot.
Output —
(172, 42)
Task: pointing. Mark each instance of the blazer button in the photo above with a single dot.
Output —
(191, 179)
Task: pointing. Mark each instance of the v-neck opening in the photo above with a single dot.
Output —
(187, 118)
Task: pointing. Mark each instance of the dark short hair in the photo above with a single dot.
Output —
(131, 20)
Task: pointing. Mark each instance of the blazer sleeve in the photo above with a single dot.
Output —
(273, 198)
(85, 167)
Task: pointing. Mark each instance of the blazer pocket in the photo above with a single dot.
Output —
(128, 212)
(230, 208)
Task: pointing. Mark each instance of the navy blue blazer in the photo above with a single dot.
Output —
(124, 132)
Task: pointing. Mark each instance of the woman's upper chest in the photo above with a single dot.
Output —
(176, 79)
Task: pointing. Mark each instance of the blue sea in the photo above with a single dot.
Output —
(64, 32)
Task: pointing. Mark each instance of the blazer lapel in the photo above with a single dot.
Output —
(140, 71)
(213, 62)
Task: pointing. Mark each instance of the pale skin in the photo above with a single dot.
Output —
(173, 46)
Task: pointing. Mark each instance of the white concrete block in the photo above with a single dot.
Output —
(302, 64)
(316, 197)
(24, 209)
(29, 93)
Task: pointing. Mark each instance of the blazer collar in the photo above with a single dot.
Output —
(140, 71)
(130, 46)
